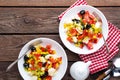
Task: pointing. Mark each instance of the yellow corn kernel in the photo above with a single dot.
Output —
(60, 62)
(54, 52)
(50, 65)
(77, 45)
(94, 37)
(38, 50)
(66, 25)
(29, 60)
(57, 65)
(39, 78)
(28, 69)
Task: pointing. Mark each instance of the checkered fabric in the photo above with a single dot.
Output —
(100, 58)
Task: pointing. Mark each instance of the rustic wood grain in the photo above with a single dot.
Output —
(13, 74)
(41, 20)
(57, 2)
(12, 44)
(24, 20)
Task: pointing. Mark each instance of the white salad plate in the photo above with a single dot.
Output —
(71, 14)
(59, 52)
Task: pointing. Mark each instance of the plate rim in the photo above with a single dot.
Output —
(105, 22)
(42, 38)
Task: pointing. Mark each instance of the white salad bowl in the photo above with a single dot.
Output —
(55, 46)
(72, 13)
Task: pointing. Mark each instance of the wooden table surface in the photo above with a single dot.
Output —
(24, 20)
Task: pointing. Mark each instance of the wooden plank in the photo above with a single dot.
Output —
(12, 44)
(57, 2)
(41, 20)
(13, 74)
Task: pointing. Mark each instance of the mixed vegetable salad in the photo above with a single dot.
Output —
(42, 62)
(84, 30)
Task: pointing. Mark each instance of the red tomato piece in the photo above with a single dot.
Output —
(59, 59)
(86, 16)
(50, 51)
(99, 35)
(55, 65)
(48, 78)
(91, 17)
(52, 60)
(89, 45)
(37, 55)
(92, 22)
(80, 37)
(40, 64)
(85, 32)
(90, 35)
(79, 15)
(95, 40)
(87, 12)
(32, 62)
(81, 45)
(43, 49)
(91, 40)
(48, 46)
(69, 39)
(84, 21)
(73, 31)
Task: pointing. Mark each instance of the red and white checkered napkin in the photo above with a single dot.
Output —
(100, 58)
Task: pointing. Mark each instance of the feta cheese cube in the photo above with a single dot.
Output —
(74, 39)
(34, 78)
(51, 71)
(42, 59)
(86, 40)
(98, 24)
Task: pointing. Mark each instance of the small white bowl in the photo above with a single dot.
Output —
(69, 15)
(59, 51)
